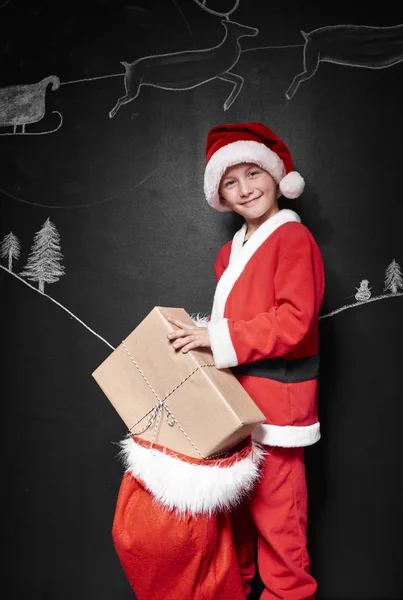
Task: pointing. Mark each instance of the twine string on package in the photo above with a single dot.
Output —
(155, 413)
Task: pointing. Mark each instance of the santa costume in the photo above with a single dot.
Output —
(172, 528)
(264, 326)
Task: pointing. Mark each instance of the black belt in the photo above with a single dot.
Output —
(280, 369)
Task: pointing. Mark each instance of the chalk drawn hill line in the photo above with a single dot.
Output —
(58, 304)
(331, 314)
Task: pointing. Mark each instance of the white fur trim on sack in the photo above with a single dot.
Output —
(287, 436)
(242, 151)
(185, 486)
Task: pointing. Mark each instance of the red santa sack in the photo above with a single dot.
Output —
(171, 527)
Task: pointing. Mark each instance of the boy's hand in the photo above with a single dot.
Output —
(188, 337)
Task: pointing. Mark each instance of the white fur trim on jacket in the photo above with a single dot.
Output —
(242, 151)
(221, 345)
(240, 255)
(196, 488)
(287, 436)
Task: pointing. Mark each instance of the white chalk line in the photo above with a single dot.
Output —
(37, 132)
(357, 304)
(96, 203)
(91, 78)
(225, 15)
(58, 304)
(331, 314)
(178, 8)
(182, 89)
(272, 47)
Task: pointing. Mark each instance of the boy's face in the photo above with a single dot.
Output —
(249, 190)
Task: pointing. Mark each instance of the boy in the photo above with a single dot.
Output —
(264, 326)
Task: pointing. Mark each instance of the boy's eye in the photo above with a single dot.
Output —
(231, 181)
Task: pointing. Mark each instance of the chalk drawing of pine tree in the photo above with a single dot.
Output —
(393, 278)
(10, 248)
(44, 262)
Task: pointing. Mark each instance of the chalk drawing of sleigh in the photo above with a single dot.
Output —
(351, 45)
(188, 69)
(21, 105)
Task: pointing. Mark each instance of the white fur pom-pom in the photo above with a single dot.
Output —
(292, 185)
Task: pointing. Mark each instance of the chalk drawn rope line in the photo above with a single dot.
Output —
(86, 79)
(91, 78)
(272, 47)
(157, 410)
(58, 304)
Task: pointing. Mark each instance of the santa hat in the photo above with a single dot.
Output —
(231, 144)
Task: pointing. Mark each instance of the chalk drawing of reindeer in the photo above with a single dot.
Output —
(188, 69)
(24, 104)
(351, 45)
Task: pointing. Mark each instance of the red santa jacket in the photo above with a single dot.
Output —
(265, 313)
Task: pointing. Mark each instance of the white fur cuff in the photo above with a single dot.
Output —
(287, 436)
(221, 345)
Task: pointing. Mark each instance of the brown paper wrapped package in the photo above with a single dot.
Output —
(210, 411)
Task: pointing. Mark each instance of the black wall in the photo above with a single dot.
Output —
(122, 199)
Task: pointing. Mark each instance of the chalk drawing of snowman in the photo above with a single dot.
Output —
(363, 292)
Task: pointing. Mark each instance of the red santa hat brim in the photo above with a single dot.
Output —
(248, 151)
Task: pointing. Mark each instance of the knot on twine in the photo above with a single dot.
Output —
(155, 413)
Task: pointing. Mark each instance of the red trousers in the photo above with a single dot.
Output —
(277, 515)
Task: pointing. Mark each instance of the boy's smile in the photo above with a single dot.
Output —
(251, 202)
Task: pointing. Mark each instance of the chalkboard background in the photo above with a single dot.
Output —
(121, 199)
